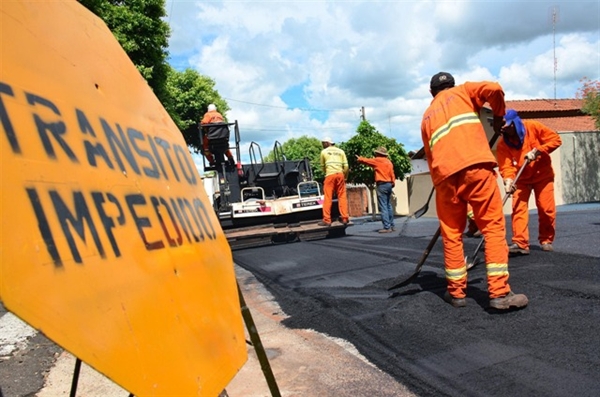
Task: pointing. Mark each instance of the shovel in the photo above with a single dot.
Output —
(475, 261)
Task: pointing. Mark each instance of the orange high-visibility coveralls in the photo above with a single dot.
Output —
(538, 176)
(212, 116)
(335, 166)
(462, 169)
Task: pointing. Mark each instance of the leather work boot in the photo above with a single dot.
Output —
(323, 223)
(342, 221)
(510, 300)
(547, 247)
(456, 302)
(514, 249)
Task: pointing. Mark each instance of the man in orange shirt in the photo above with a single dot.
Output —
(531, 140)
(210, 117)
(385, 181)
(462, 169)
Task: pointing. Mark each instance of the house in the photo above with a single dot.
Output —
(576, 163)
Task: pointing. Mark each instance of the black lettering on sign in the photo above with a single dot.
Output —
(157, 156)
(158, 202)
(92, 150)
(141, 222)
(119, 145)
(186, 209)
(180, 153)
(43, 226)
(165, 146)
(82, 216)
(57, 128)
(76, 219)
(5, 120)
(184, 222)
(107, 221)
(134, 136)
(204, 219)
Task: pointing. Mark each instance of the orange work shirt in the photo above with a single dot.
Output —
(383, 167)
(453, 136)
(537, 136)
(212, 116)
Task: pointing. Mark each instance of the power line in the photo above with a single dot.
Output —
(289, 108)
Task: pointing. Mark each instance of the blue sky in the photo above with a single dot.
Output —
(292, 68)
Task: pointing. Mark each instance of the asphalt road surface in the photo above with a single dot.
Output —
(551, 348)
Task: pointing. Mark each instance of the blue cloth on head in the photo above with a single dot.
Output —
(510, 118)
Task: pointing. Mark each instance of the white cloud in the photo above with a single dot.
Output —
(342, 55)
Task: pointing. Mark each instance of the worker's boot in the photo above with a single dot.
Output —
(514, 249)
(456, 302)
(547, 247)
(510, 300)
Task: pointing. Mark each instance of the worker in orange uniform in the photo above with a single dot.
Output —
(210, 117)
(531, 140)
(385, 180)
(462, 169)
(335, 166)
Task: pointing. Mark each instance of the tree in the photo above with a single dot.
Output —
(366, 140)
(191, 93)
(590, 93)
(300, 148)
(139, 28)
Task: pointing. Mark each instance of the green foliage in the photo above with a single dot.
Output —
(590, 93)
(191, 93)
(300, 148)
(143, 34)
(366, 140)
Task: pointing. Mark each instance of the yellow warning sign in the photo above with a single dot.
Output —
(109, 244)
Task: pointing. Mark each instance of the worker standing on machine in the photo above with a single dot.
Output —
(528, 140)
(210, 117)
(462, 170)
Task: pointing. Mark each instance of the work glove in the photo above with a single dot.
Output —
(509, 186)
(532, 155)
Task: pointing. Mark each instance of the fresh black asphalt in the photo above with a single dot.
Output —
(551, 348)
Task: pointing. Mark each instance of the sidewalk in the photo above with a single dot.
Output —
(304, 362)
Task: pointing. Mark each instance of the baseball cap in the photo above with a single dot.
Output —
(328, 140)
(511, 117)
(441, 80)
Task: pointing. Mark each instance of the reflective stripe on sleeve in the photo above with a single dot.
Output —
(456, 121)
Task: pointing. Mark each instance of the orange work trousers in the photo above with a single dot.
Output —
(207, 153)
(475, 185)
(546, 208)
(335, 183)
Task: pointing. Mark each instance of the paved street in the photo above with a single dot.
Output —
(551, 348)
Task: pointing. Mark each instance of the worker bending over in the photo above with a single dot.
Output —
(531, 140)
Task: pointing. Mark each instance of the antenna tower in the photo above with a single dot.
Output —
(554, 21)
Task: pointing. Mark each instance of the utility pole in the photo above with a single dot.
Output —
(362, 113)
(554, 21)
